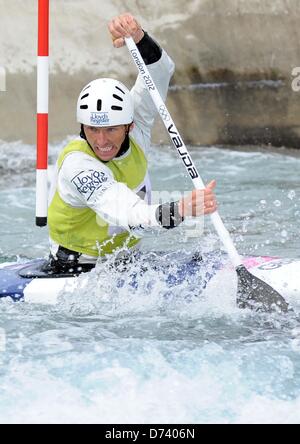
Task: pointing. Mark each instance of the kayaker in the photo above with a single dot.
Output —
(101, 190)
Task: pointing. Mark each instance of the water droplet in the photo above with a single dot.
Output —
(291, 194)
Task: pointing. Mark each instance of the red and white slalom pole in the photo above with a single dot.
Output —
(42, 114)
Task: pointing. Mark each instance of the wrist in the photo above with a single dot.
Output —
(139, 36)
(150, 50)
(168, 215)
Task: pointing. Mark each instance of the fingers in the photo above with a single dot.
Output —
(199, 202)
(210, 206)
(212, 184)
(124, 25)
(196, 204)
(209, 200)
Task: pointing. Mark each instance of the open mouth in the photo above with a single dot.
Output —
(104, 150)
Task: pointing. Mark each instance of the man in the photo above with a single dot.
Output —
(101, 191)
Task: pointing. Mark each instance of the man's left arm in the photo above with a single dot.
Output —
(161, 68)
(159, 64)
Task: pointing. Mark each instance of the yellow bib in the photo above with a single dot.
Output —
(81, 229)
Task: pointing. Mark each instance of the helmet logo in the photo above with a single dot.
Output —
(99, 118)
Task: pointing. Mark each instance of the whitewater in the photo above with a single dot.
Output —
(130, 355)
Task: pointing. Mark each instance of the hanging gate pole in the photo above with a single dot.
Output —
(42, 114)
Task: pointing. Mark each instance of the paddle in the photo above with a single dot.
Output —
(252, 292)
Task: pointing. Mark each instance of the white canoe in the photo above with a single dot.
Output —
(281, 274)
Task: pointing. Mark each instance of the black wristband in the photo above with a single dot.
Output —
(150, 50)
(168, 215)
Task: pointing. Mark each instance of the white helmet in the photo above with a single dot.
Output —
(105, 102)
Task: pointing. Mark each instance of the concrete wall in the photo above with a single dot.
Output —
(234, 62)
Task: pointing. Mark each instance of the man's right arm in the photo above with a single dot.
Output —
(85, 182)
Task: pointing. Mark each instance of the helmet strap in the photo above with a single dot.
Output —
(82, 133)
(125, 144)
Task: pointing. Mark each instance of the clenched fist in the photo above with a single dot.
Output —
(124, 25)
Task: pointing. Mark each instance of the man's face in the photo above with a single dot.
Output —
(106, 141)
